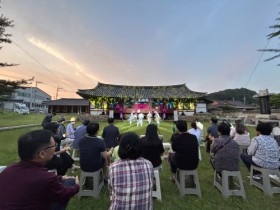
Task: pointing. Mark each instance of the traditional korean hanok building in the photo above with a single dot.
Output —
(124, 99)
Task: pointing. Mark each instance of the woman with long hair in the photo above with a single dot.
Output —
(152, 147)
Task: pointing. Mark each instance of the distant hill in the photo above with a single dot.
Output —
(234, 94)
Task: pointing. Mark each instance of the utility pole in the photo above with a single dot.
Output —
(35, 91)
(31, 93)
(57, 89)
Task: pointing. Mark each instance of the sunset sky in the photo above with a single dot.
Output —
(210, 45)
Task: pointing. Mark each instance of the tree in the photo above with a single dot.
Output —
(274, 101)
(6, 86)
(276, 33)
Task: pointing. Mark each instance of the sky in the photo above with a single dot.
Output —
(209, 45)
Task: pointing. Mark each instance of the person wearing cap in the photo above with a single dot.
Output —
(70, 130)
(131, 178)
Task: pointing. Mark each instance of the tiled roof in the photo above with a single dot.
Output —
(170, 91)
(67, 102)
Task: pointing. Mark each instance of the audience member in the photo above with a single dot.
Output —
(212, 131)
(174, 128)
(70, 130)
(110, 134)
(276, 134)
(185, 147)
(61, 160)
(131, 178)
(263, 150)
(27, 185)
(61, 129)
(80, 132)
(199, 125)
(93, 154)
(47, 119)
(115, 155)
(195, 131)
(152, 147)
(225, 150)
(241, 135)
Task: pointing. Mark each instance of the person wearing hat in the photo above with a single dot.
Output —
(131, 178)
(70, 130)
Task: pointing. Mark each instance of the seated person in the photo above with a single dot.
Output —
(93, 154)
(152, 147)
(263, 150)
(212, 131)
(185, 147)
(79, 133)
(225, 150)
(61, 160)
(241, 135)
(131, 178)
(195, 131)
(115, 155)
(27, 184)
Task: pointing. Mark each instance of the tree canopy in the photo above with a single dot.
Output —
(234, 94)
(6, 86)
(276, 33)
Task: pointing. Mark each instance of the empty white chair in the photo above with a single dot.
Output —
(97, 181)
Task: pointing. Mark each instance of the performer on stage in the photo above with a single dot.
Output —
(131, 118)
(157, 118)
(140, 119)
(149, 117)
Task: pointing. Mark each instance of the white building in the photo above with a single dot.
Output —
(31, 96)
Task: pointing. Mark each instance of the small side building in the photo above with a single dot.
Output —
(68, 105)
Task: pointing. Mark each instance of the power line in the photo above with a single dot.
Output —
(263, 51)
(59, 80)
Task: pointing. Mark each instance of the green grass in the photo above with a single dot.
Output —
(12, 118)
(211, 197)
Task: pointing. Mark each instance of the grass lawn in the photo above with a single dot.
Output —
(211, 197)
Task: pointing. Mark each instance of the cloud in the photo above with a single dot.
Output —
(49, 50)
